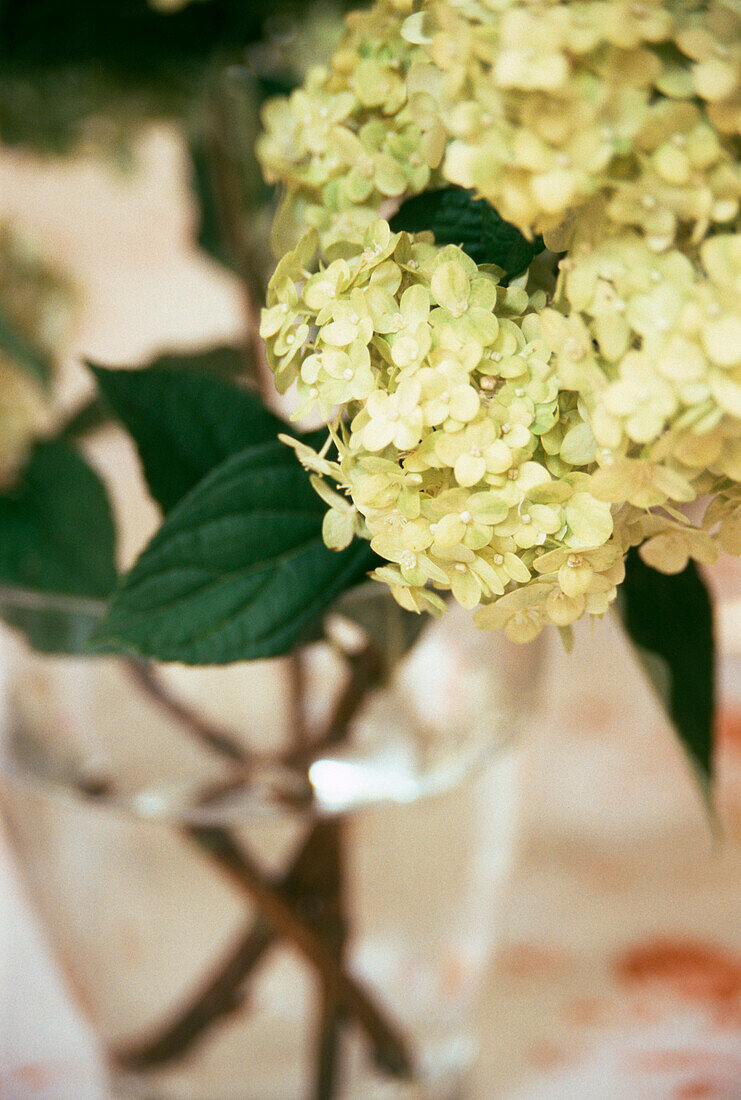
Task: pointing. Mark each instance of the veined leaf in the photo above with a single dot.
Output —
(57, 540)
(57, 528)
(237, 570)
(670, 619)
(185, 421)
(454, 216)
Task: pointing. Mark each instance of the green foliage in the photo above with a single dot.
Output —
(454, 216)
(183, 422)
(211, 236)
(58, 539)
(670, 620)
(227, 183)
(63, 62)
(237, 571)
(57, 529)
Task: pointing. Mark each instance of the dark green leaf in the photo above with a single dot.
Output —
(670, 619)
(227, 181)
(57, 529)
(210, 229)
(185, 423)
(454, 216)
(25, 355)
(56, 539)
(224, 362)
(237, 570)
(86, 419)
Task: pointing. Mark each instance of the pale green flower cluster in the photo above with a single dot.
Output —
(511, 444)
(456, 455)
(556, 103)
(724, 514)
(613, 128)
(709, 35)
(652, 342)
(359, 133)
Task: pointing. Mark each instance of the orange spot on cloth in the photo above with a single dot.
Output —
(545, 1056)
(697, 1090)
(32, 1076)
(587, 1011)
(594, 712)
(528, 960)
(707, 1073)
(729, 727)
(693, 970)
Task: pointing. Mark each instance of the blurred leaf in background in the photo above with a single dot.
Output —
(81, 76)
(51, 579)
(76, 75)
(72, 69)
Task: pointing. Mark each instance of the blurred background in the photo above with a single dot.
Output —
(130, 197)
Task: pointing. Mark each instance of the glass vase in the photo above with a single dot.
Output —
(275, 880)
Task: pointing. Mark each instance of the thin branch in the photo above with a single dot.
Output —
(200, 728)
(323, 881)
(305, 907)
(220, 994)
(389, 1048)
(330, 1025)
(217, 998)
(297, 700)
(366, 672)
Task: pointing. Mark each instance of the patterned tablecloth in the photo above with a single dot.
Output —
(618, 975)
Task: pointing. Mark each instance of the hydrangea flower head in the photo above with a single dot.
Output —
(362, 131)
(652, 343)
(510, 443)
(439, 397)
(559, 103)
